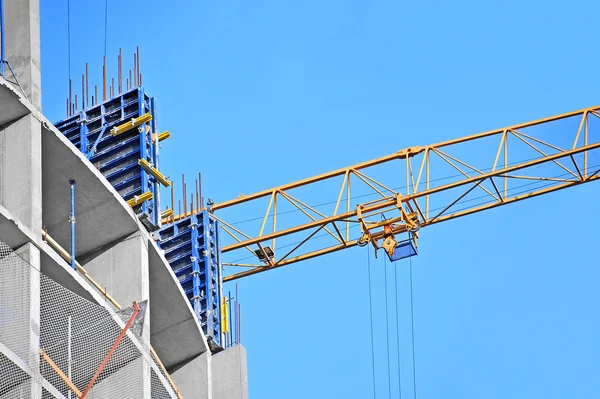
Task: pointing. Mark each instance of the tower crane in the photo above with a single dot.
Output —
(419, 186)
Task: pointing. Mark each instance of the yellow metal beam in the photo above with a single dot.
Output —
(60, 373)
(164, 136)
(133, 123)
(407, 152)
(138, 199)
(166, 214)
(154, 172)
(447, 193)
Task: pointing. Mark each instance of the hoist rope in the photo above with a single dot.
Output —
(412, 326)
(69, 34)
(371, 317)
(397, 333)
(387, 328)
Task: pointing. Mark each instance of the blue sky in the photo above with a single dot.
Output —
(261, 94)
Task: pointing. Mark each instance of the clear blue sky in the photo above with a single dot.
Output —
(261, 94)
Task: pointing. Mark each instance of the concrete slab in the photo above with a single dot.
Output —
(12, 231)
(102, 216)
(176, 334)
(15, 234)
(10, 104)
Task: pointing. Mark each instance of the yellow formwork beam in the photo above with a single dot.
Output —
(164, 135)
(154, 172)
(166, 214)
(224, 316)
(133, 123)
(138, 199)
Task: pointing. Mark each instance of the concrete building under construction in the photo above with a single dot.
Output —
(107, 292)
(123, 312)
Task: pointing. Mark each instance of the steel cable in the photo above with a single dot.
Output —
(397, 333)
(387, 328)
(371, 317)
(412, 327)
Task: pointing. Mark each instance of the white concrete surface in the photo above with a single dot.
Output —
(194, 379)
(22, 19)
(230, 374)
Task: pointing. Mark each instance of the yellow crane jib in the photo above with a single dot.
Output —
(138, 199)
(154, 172)
(133, 123)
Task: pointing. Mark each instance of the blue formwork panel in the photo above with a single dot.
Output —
(192, 248)
(117, 156)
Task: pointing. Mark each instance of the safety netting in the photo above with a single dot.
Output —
(57, 344)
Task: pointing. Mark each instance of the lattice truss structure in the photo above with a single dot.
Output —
(56, 344)
(407, 190)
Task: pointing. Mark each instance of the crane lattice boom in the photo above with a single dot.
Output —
(439, 182)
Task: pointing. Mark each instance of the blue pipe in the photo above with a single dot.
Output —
(2, 49)
(72, 220)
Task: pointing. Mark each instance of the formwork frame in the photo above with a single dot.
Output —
(192, 248)
(117, 156)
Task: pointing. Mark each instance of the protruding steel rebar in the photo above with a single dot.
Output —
(139, 71)
(120, 71)
(197, 198)
(87, 87)
(83, 92)
(200, 191)
(173, 201)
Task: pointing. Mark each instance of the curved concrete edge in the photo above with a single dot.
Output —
(103, 217)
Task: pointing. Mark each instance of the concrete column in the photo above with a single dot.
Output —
(22, 19)
(230, 374)
(194, 379)
(122, 267)
(20, 317)
(21, 171)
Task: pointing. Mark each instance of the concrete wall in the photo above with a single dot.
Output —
(122, 268)
(22, 18)
(125, 383)
(194, 379)
(21, 171)
(230, 374)
(21, 189)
